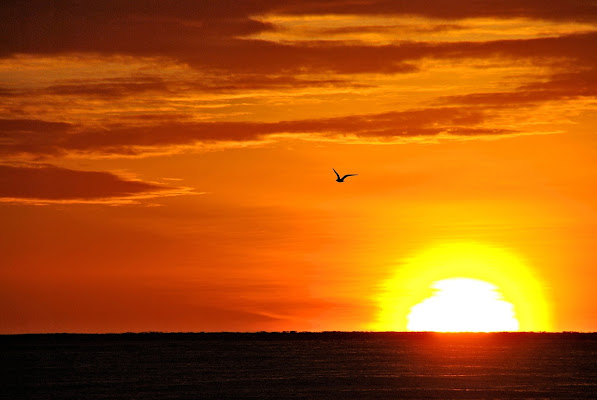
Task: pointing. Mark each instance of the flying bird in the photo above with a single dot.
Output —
(344, 177)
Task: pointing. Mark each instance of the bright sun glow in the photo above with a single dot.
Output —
(499, 289)
(463, 305)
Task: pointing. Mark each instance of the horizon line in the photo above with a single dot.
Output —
(288, 332)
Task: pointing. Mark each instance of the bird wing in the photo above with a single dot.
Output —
(336, 173)
(349, 175)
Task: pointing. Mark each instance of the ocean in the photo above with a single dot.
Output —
(289, 365)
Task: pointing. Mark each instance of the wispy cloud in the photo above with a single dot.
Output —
(561, 86)
(32, 137)
(45, 184)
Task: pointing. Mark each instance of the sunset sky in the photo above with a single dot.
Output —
(167, 165)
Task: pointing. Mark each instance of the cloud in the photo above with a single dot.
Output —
(389, 29)
(561, 86)
(576, 10)
(165, 111)
(119, 87)
(32, 125)
(110, 87)
(211, 35)
(125, 27)
(31, 136)
(159, 136)
(44, 184)
(5, 92)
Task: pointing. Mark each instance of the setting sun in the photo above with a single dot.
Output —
(463, 305)
(463, 287)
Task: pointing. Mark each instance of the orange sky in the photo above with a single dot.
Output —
(167, 166)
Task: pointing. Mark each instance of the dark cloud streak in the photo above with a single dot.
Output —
(113, 88)
(50, 183)
(562, 86)
(131, 140)
(573, 10)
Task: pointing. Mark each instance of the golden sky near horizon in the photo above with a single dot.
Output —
(167, 166)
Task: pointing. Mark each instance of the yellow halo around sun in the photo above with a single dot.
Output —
(463, 305)
(495, 279)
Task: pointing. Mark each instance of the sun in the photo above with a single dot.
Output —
(462, 287)
(463, 305)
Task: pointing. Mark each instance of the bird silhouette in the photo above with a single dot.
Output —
(344, 177)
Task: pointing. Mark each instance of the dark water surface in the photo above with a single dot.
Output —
(300, 366)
